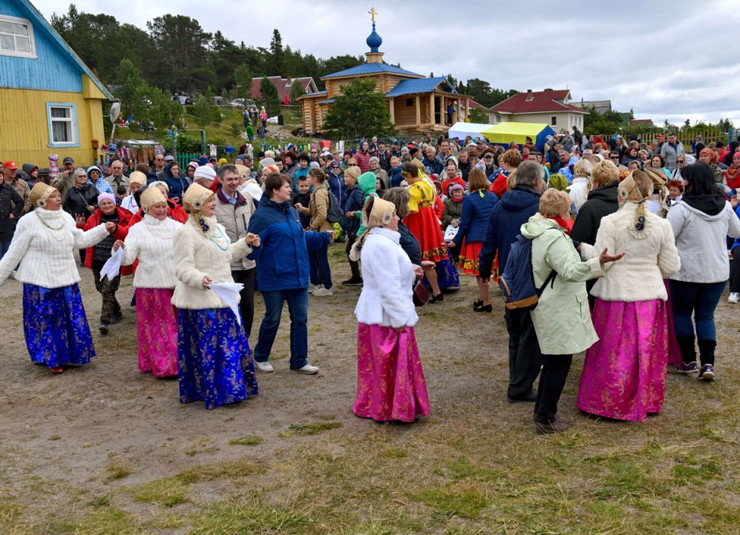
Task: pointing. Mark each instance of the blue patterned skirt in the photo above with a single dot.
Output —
(55, 326)
(213, 357)
(447, 276)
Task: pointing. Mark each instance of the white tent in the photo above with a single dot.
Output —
(461, 130)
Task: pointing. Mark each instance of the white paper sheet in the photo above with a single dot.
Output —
(229, 291)
(113, 266)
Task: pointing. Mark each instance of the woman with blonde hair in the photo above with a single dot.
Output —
(54, 322)
(151, 242)
(214, 360)
(581, 185)
(390, 379)
(561, 319)
(624, 372)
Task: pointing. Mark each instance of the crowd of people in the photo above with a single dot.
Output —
(629, 254)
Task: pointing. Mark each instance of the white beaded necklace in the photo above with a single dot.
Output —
(53, 230)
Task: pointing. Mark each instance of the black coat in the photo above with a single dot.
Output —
(601, 202)
(78, 199)
(10, 203)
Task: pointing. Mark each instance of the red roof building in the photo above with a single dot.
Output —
(284, 86)
(550, 106)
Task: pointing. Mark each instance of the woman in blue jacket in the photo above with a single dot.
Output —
(176, 181)
(282, 272)
(476, 211)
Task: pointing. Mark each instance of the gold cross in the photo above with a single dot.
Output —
(372, 14)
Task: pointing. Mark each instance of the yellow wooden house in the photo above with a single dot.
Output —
(50, 101)
(416, 103)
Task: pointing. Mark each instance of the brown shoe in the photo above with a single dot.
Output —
(556, 426)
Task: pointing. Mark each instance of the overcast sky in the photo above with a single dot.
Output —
(672, 60)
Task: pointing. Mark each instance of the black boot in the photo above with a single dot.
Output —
(706, 351)
(688, 354)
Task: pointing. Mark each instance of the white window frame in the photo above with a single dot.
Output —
(15, 20)
(75, 138)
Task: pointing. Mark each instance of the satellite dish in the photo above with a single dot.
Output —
(115, 110)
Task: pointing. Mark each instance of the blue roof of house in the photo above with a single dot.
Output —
(422, 85)
(41, 75)
(370, 68)
(329, 101)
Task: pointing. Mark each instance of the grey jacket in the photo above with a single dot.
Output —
(235, 220)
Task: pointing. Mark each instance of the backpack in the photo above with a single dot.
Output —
(517, 279)
(334, 212)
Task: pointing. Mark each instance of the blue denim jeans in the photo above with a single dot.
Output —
(298, 308)
(319, 265)
(4, 246)
(699, 299)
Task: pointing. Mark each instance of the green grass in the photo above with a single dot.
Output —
(313, 428)
(169, 491)
(246, 440)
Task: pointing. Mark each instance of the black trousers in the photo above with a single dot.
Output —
(552, 381)
(246, 305)
(735, 270)
(524, 353)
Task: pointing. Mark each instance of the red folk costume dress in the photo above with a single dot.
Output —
(423, 223)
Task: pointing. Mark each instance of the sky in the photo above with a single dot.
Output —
(667, 60)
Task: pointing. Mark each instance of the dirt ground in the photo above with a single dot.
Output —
(62, 437)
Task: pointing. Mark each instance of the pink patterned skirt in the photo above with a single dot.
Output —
(390, 381)
(624, 372)
(156, 320)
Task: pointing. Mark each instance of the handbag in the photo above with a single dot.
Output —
(421, 293)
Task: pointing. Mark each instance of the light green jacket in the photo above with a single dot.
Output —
(562, 319)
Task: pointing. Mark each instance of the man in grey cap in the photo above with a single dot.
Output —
(167, 161)
(65, 179)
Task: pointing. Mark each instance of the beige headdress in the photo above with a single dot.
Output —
(195, 197)
(150, 197)
(40, 193)
(629, 191)
(377, 212)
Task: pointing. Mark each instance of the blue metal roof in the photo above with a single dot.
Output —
(370, 68)
(325, 101)
(51, 48)
(423, 85)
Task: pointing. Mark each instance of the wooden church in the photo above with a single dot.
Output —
(416, 103)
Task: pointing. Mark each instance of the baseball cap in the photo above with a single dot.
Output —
(68, 159)
(10, 164)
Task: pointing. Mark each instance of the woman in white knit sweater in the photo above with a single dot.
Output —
(390, 380)
(624, 372)
(54, 321)
(214, 360)
(151, 242)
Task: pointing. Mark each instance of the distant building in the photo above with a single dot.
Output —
(551, 107)
(638, 122)
(415, 103)
(50, 101)
(284, 86)
(599, 106)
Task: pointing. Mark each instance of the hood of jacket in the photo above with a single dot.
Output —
(367, 183)
(537, 225)
(520, 198)
(707, 207)
(28, 168)
(605, 193)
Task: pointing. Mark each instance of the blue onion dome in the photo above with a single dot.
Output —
(374, 40)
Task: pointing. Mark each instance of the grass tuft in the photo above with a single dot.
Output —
(313, 428)
(247, 440)
(168, 491)
(248, 515)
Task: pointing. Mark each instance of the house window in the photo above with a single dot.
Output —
(62, 122)
(498, 117)
(16, 37)
(554, 120)
(409, 102)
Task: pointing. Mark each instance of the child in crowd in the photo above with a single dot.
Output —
(304, 198)
(353, 203)
(121, 193)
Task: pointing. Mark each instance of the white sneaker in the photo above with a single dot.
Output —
(306, 370)
(734, 298)
(322, 291)
(313, 287)
(264, 367)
